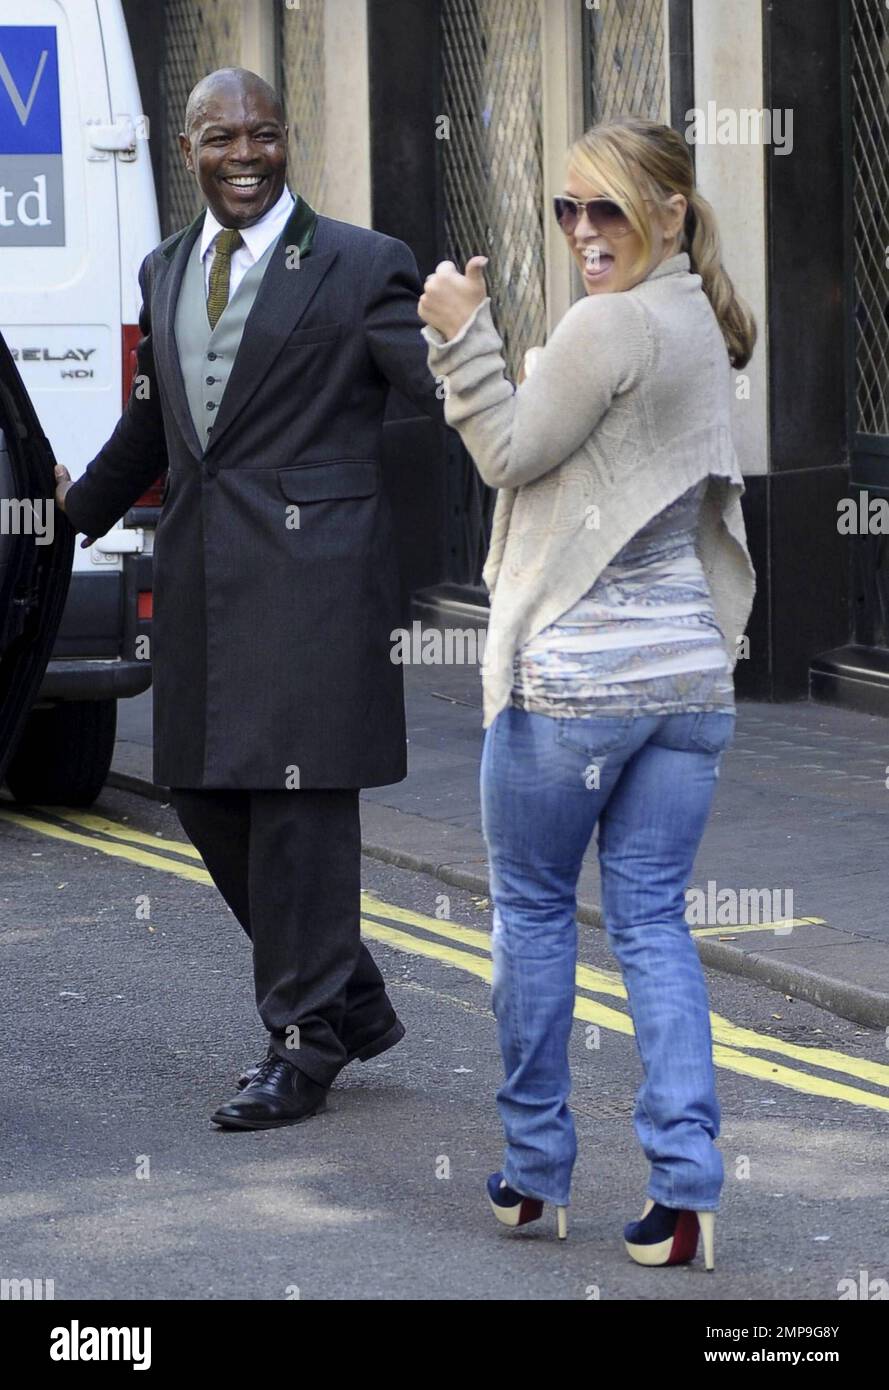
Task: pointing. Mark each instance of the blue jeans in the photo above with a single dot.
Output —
(648, 782)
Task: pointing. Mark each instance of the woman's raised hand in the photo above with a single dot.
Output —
(449, 299)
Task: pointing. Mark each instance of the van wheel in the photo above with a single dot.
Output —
(65, 753)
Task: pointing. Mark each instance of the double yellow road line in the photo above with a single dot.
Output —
(735, 1048)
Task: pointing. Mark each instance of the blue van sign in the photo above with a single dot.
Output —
(32, 202)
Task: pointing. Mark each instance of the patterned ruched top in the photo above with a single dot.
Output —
(643, 640)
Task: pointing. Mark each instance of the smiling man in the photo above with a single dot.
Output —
(235, 141)
(272, 336)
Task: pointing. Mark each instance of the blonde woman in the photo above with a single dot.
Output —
(620, 582)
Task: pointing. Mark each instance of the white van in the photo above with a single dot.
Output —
(77, 216)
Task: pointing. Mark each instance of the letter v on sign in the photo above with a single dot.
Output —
(22, 110)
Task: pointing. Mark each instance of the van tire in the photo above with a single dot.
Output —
(65, 753)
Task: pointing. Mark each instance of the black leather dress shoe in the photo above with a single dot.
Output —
(279, 1094)
(391, 1034)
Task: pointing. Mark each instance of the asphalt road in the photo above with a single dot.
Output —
(127, 1008)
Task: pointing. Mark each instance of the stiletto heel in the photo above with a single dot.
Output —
(707, 1223)
(669, 1236)
(512, 1209)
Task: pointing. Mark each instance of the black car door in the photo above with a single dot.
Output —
(36, 553)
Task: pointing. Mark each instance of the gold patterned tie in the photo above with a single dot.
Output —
(225, 245)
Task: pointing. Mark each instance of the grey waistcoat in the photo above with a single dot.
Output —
(206, 353)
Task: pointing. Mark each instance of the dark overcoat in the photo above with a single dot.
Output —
(276, 585)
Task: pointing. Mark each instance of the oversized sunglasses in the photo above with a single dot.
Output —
(605, 216)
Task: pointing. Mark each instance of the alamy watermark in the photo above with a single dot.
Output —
(451, 646)
(26, 516)
(739, 907)
(26, 1290)
(863, 515)
(729, 125)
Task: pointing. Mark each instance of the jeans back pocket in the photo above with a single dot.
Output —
(594, 736)
(712, 731)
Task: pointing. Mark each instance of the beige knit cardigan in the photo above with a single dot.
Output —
(629, 405)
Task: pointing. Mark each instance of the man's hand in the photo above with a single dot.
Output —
(449, 299)
(63, 482)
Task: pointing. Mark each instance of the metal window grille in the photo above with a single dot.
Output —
(625, 44)
(201, 35)
(492, 180)
(301, 80)
(493, 158)
(869, 73)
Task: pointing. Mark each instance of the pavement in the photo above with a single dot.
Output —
(802, 807)
(128, 1006)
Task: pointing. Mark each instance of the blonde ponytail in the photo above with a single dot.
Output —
(705, 256)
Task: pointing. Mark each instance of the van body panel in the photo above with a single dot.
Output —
(78, 215)
(63, 306)
(138, 223)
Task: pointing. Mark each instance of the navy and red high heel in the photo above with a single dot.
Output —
(512, 1209)
(668, 1236)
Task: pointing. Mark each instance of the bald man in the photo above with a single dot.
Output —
(272, 337)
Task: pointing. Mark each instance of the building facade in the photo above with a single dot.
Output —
(446, 122)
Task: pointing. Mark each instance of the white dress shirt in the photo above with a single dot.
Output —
(256, 240)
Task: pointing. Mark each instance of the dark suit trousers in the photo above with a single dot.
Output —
(288, 863)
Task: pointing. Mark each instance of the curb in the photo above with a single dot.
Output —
(839, 997)
(127, 782)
